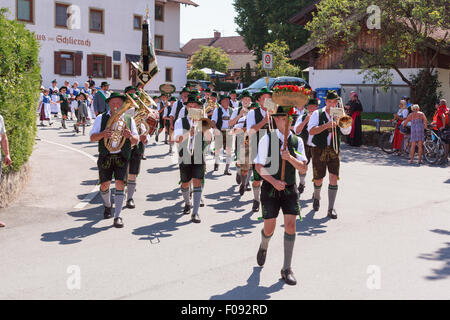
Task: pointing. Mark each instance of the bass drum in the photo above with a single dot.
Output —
(152, 121)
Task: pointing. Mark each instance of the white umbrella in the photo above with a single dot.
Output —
(209, 72)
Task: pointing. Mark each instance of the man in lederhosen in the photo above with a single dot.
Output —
(238, 122)
(234, 102)
(220, 118)
(323, 154)
(191, 146)
(279, 194)
(163, 103)
(116, 163)
(301, 130)
(257, 120)
(137, 152)
(166, 118)
(179, 110)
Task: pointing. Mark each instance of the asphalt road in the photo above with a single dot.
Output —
(391, 240)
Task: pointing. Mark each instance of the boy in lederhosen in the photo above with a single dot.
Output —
(162, 105)
(178, 109)
(301, 130)
(113, 163)
(323, 154)
(257, 120)
(242, 149)
(166, 118)
(279, 194)
(191, 147)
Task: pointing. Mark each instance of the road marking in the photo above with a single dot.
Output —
(91, 195)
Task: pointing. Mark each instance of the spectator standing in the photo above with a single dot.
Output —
(91, 82)
(400, 116)
(100, 104)
(354, 109)
(418, 124)
(5, 149)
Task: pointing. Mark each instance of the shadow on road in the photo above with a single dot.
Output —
(371, 155)
(163, 169)
(252, 290)
(443, 255)
(76, 234)
(448, 181)
(236, 228)
(228, 200)
(310, 226)
(165, 228)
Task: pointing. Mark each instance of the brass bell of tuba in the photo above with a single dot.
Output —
(117, 124)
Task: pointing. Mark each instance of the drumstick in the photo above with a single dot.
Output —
(286, 132)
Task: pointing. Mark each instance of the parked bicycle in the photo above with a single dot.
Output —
(434, 149)
(385, 142)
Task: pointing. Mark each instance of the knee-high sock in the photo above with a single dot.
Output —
(131, 187)
(332, 192)
(317, 192)
(197, 197)
(265, 240)
(186, 196)
(106, 196)
(256, 192)
(302, 178)
(118, 201)
(289, 240)
(249, 175)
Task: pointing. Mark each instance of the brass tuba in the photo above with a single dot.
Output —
(342, 120)
(117, 124)
(211, 106)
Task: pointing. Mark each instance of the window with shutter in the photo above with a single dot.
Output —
(108, 67)
(57, 62)
(90, 65)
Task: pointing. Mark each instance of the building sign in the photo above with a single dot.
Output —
(64, 40)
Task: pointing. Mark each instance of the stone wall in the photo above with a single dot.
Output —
(12, 185)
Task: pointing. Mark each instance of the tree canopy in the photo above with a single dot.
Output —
(264, 21)
(403, 27)
(211, 57)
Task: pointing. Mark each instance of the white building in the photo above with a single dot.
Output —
(101, 38)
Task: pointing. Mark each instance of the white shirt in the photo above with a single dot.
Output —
(299, 119)
(251, 118)
(225, 113)
(263, 148)
(241, 122)
(314, 122)
(403, 113)
(179, 131)
(234, 104)
(98, 125)
(174, 110)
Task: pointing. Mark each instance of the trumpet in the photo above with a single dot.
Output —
(339, 119)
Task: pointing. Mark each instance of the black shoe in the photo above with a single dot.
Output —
(157, 137)
(216, 167)
(332, 214)
(316, 205)
(165, 142)
(255, 207)
(288, 276)
(107, 213)
(301, 188)
(130, 204)
(248, 188)
(118, 222)
(187, 209)
(195, 218)
(227, 173)
(202, 204)
(261, 256)
(238, 178)
(143, 157)
(242, 189)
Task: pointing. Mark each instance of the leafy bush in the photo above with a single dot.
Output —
(427, 92)
(19, 87)
(197, 74)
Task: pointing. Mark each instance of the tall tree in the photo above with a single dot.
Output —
(263, 21)
(212, 58)
(402, 27)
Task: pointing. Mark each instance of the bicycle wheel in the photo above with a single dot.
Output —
(385, 142)
(442, 151)
(431, 152)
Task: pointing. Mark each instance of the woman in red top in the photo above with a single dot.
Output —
(400, 116)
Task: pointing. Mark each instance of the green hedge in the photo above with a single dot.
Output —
(19, 87)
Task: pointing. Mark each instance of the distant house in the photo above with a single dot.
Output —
(325, 69)
(234, 46)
